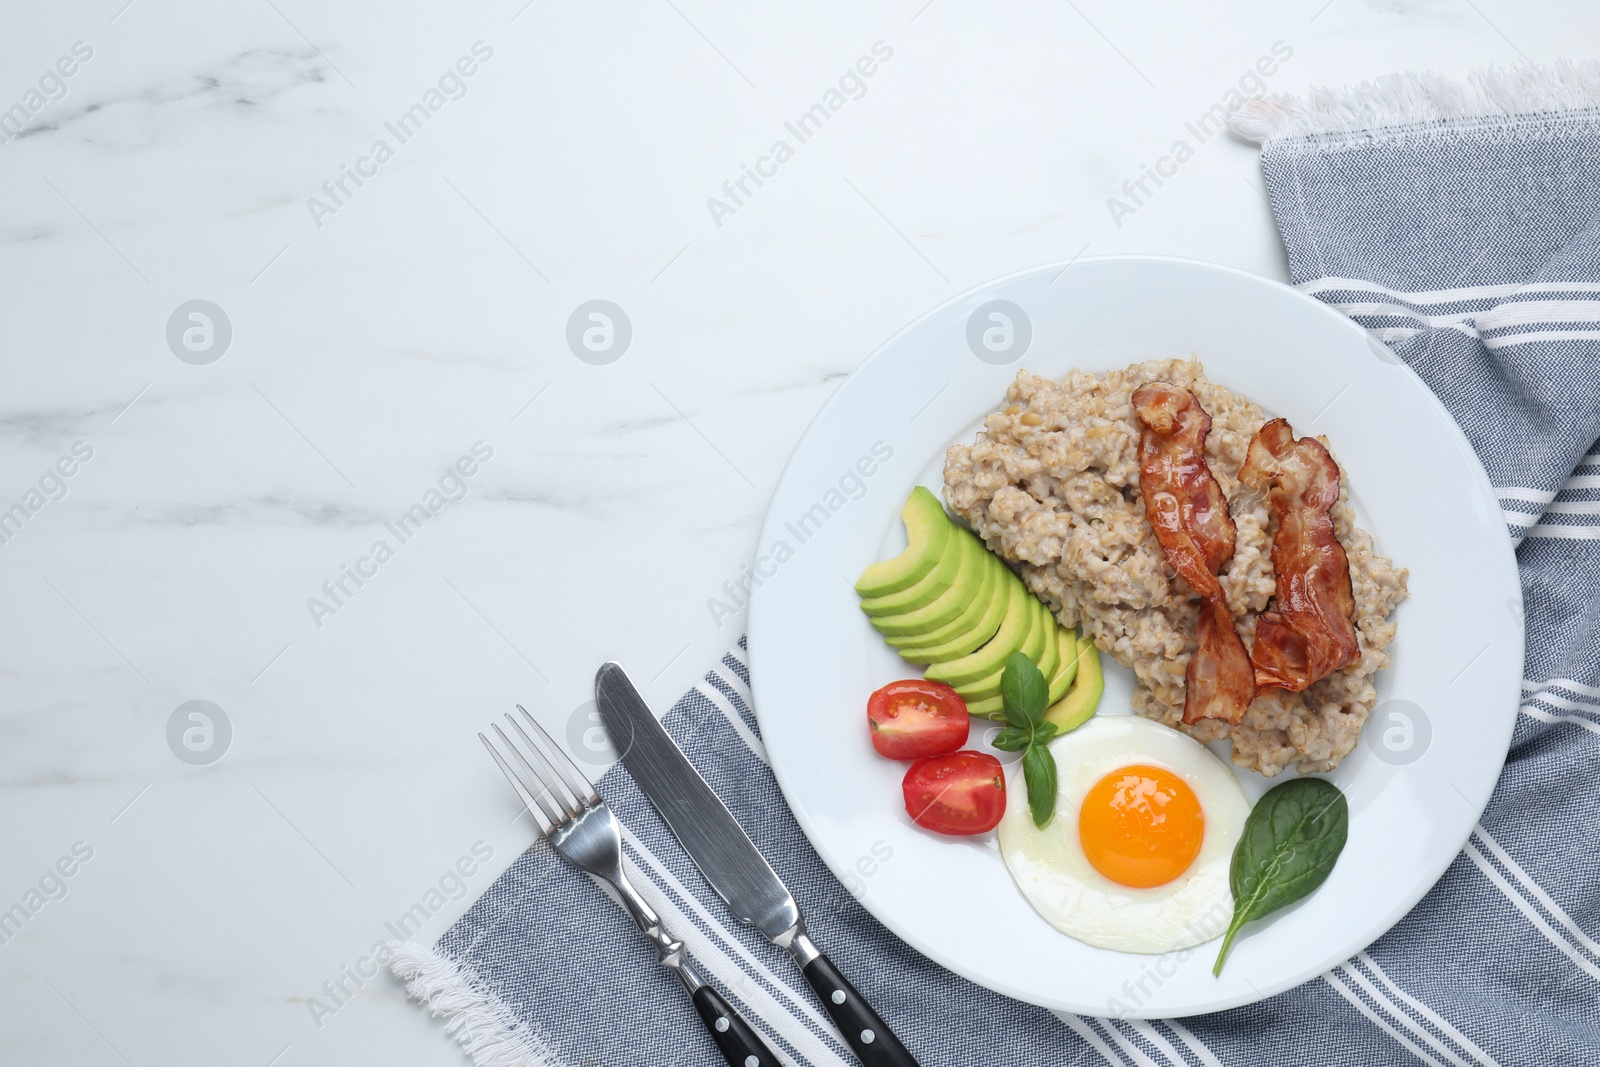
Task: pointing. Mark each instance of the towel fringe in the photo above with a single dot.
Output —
(488, 1030)
(1411, 99)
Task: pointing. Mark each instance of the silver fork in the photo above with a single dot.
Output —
(583, 830)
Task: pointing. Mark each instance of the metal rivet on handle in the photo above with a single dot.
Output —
(721, 1024)
(867, 1036)
(838, 996)
(751, 1061)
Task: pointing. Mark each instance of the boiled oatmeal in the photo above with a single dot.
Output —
(1052, 485)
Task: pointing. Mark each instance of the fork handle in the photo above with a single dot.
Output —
(741, 1046)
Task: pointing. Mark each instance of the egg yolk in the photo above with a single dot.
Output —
(1141, 826)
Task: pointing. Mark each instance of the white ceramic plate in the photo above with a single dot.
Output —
(1427, 761)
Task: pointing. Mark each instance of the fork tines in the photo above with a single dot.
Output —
(558, 791)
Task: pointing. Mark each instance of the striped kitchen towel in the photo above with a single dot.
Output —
(1459, 224)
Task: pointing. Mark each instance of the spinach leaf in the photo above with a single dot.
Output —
(1290, 843)
(1025, 694)
(1039, 768)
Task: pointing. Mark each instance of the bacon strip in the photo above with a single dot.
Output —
(1308, 633)
(1189, 514)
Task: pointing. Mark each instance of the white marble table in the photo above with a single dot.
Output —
(382, 329)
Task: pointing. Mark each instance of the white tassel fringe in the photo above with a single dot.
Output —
(1411, 99)
(488, 1030)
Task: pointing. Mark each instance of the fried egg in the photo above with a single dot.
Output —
(1136, 858)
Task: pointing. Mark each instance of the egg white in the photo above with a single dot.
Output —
(1050, 867)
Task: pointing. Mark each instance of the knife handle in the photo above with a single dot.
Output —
(867, 1035)
(740, 1045)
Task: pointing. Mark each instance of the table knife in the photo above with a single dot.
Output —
(738, 872)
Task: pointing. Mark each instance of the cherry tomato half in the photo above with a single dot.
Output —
(916, 718)
(961, 794)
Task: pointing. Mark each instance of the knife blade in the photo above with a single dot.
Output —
(730, 861)
(696, 815)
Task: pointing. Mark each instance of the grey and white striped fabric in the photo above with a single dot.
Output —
(1460, 225)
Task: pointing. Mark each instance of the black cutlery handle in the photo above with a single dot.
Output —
(739, 1044)
(866, 1034)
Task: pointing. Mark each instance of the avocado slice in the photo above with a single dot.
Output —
(983, 689)
(993, 707)
(988, 588)
(1061, 680)
(967, 631)
(1041, 633)
(948, 604)
(988, 707)
(927, 530)
(922, 592)
(1080, 703)
(1049, 661)
(1014, 630)
(1044, 631)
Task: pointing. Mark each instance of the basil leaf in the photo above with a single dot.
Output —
(1290, 843)
(1024, 691)
(1011, 739)
(1039, 768)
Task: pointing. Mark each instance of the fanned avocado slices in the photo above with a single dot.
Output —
(948, 602)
